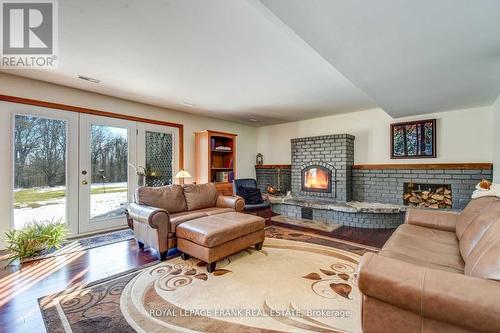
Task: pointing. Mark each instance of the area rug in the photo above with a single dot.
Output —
(293, 284)
(85, 243)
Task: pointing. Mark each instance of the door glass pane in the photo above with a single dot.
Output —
(159, 161)
(109, 164)
(39, 169)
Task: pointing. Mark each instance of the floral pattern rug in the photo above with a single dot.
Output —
(298, 282)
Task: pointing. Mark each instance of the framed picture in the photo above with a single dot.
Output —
(414, 139)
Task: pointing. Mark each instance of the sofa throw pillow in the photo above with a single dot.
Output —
(200, 196)
(251, 195)
(170, 197)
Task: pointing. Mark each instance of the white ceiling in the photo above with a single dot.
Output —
(232, 59)
(282, 60)
(410, 57)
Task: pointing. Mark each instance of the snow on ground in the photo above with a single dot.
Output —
(101, 205)
(53, 209)
(108, 204)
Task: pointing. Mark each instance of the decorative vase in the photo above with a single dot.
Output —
(141, 179)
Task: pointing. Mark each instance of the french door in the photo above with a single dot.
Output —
(107, 148)
(82, 169)
(44, 160)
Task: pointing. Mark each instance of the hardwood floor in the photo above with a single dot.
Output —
(20, 289)
(365, 236)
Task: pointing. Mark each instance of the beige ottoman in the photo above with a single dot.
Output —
(211, 238)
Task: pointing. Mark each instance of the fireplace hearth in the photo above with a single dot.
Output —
(316, 178)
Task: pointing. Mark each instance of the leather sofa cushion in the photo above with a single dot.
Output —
(446, 237)
(407, 244)
(484, 259)
(441, 220)
(171, 198)
(477, 228)
(214, 210)
(472, 211)
(200, 196)
(214, 230)
(176, 219)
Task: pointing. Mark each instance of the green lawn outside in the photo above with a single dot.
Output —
(33, 195)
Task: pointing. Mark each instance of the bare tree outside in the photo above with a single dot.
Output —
(40, 152)
(40, 148)
(109, 163)
(39, 169)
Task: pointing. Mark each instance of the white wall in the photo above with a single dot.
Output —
(27, 88)
(462, 136)
(496, 140)
(247, 135)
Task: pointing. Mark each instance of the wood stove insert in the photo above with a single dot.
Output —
(316, 178)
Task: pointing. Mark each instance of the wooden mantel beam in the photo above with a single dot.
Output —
(426, 166)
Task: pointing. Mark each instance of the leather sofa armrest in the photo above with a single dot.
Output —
(156, 217)
(442, 220)
(235, 202)
(457, 299)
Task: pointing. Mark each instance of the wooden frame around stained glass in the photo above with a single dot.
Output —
(413, 139)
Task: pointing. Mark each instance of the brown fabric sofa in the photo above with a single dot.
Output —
(157, 211)
(439, 272)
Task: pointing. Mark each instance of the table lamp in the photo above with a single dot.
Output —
(181, 175)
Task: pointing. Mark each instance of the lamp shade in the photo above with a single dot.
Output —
(183, 174)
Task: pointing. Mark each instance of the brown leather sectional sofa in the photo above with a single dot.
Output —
(157, 211)
(439, 272)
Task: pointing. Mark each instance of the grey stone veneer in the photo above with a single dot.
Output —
(360, 220)
(265, 176)
(335, 152)
(386, 186)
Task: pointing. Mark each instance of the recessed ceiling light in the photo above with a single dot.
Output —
(188, 104)
(90, 79)
(254, 120)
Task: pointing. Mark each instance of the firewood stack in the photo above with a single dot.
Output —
(441, 198)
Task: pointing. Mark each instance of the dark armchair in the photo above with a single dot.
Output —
(264, 207)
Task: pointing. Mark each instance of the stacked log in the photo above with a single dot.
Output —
(440, 198)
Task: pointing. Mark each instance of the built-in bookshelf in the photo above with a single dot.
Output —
(216, 159)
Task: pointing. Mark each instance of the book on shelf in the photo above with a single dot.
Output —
(222, 148)
(222, 176)
(229, 163)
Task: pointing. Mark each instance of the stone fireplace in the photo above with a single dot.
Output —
(326, 186)
(321, 167)
(321, 178)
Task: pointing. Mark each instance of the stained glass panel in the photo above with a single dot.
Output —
(159, 159)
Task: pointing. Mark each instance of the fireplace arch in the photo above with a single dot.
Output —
(316, 178)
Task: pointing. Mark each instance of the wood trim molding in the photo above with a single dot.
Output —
(65, 107)
(273, 166)
(227, 134)
(422, 166)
